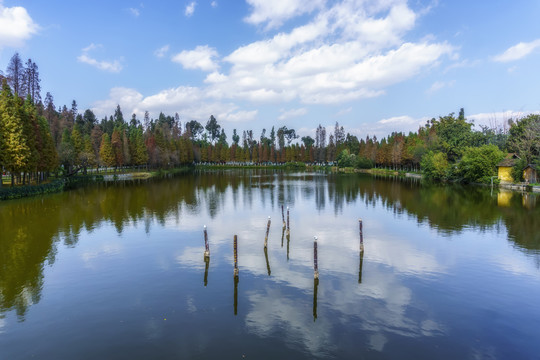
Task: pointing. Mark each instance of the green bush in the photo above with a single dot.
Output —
(479, 164)
(295, 166)
(364, 163)
(7, 193)
(517, 170)
(435, 166)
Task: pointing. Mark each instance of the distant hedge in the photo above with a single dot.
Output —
(7, 193)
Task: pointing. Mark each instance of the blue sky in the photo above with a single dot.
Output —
(373, 66)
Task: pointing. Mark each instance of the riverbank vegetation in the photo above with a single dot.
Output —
(37, 139)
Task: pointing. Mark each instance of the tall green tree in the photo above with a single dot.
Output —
(106, 153)
(524, 137)
(116, 142)
(28, 116)
(454, 135)
(48, 157)
(66, 151)
(213, 128)
(15, 152)
(15, 74)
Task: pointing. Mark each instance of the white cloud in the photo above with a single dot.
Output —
(518, 51)
(344, 111)
(199, 58)
(215, 77)
(498, 119)
(190, 9)
(16, 26)
(214, 4)
(292, 113)
(241, 116)
(332, 58)
(274, 13)
(110, 66)
(438, 85)
(189, 102)
(162, 51)
(384, 127)
(128, 99)
(320, 62)
(135, 12)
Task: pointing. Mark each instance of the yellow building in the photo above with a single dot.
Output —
(505, 168)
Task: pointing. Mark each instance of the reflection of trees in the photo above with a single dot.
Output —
(448, 208)
(32, 227)
(523, 222)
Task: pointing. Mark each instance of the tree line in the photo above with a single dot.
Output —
(37, 138)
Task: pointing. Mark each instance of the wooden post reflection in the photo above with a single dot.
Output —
(361, 235)
(283, 216)
(315, 259)
(288, 224)
(360, 267)
(288, 242)
(236, 280)
(315, 290)
(282, 235)
(235, 249)
(206, 266)
(267, 231)
(267, 262)
(206, 246)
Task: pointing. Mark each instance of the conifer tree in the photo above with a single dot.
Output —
(15, 152)
(106, 153)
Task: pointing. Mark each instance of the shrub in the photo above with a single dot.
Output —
(434, 166)
(478, 164)
(7, 193)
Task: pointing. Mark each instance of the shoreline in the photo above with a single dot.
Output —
(59, 185)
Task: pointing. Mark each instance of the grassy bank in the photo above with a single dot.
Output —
(57, 185)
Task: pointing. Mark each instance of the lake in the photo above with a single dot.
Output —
(117, 270)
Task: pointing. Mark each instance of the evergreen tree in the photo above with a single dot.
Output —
(31, 81)
(141, 154)
(116, 142)
(15, 152)
(66, 151)
(106, 153)
(125, 148)
(15, 74)
(28, 116)
(213, 128)
(48, 157)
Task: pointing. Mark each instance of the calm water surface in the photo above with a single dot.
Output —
(118, 272)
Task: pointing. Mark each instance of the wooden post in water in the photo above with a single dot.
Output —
(315, 259)
(236, 279)
(267, 231)
(282, 235)
(288, 227)
(361, 236)
(283, 216)
(206, 246)
(206, 265)
(315, 289)
(235, 245)
(360, 267)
